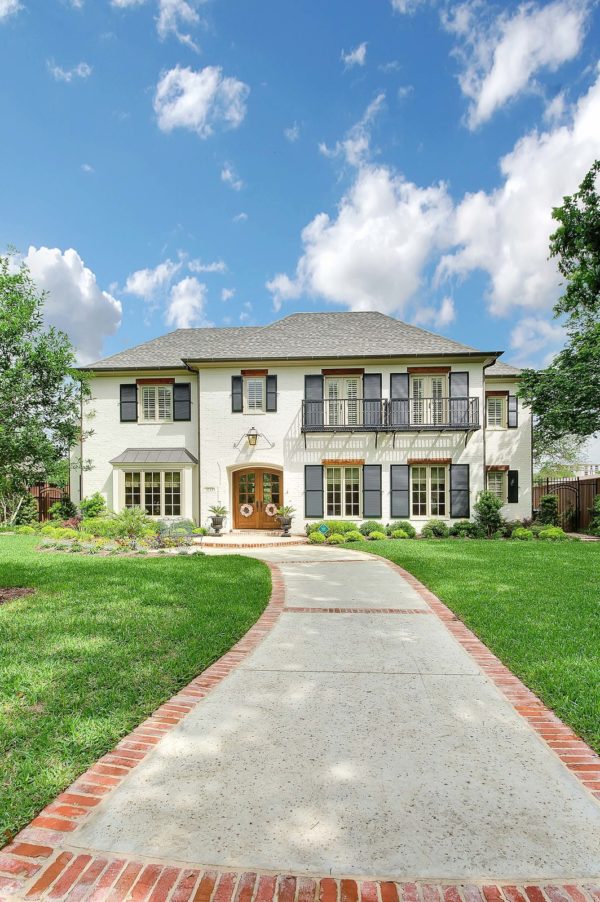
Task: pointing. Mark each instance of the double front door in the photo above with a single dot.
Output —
(257, 493)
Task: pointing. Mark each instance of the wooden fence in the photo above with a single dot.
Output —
(45, 496)
(575, 498)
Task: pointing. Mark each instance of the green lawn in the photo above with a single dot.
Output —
(536, 605)
(102, 643)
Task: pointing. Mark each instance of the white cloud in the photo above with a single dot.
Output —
(215, 266)
(231, 178)
(186, 304)
(356, 57)
(82, 70)
(199, 100)
(534, 336)
(86, 167)
(500, 57)
(227, 294)
(391, 66)
(437, 316)
(356, 146)
(556, 109)
(372, 255)
(407, 6)
(125, 4)
(404, 91)
(75, 302)
(506, 232)
(246, 312)
(9, 8)
(292, 133)
(173, 15)
(146, 283)
(240, 217)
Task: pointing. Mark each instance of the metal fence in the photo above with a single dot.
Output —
(575, 498)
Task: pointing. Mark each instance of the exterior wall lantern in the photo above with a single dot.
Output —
(252, 437)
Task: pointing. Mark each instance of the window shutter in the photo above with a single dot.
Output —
(313, 491)
(399, 395)
(128, 403)
(271, 394)
(237, 398)
(372, 399)
(313, 400)
(372, 490)
(513, 486)
(459, 399)
(399, 494)
(513, 412)
(182, 401)
(459, 491)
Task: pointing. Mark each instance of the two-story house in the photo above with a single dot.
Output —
(340, 415)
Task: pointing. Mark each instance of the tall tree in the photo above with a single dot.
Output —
(39, 389)
(565, 397)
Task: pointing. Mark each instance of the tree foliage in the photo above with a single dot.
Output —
(564, 397)
(39, 388)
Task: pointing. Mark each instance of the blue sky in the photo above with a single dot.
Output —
(173, 163)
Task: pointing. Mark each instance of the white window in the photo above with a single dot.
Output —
(429, 491)
(157, 403)
(155, 491)
(496, 483)
(342, 491)
(496, 412)
(429, 400)
(254, 394)
(343, 395)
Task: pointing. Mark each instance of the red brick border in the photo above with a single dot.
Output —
(581, 760)
(296, 610)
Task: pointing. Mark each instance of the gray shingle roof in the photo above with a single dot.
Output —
(299, 336)
(154, 456)
(502, 369)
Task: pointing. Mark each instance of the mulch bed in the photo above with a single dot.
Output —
(11, 594)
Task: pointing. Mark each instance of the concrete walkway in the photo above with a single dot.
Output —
(361, 743)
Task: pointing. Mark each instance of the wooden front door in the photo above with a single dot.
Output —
(257, 493)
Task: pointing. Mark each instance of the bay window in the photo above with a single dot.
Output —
(342, 491)
(157, 492)
(429, 491)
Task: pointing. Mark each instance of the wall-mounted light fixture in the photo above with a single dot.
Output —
(252, 437)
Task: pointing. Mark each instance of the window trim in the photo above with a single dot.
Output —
(504, 477)
(428, 515)
(503, 401)
(343, 468)
(155, 388)
(162, 472)
(246, 380)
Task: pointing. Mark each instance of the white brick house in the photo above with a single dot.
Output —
(340, 415)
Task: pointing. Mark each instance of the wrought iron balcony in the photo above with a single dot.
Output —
(395, 415)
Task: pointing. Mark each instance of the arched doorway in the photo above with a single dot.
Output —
(257, 493)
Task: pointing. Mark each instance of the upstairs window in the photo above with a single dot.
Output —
(254, 394)
(496, 412)
(343, 396)
(156, 403)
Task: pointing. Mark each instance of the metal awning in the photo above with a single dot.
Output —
(154, 456)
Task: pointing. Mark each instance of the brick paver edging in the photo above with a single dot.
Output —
(36, 846)
(296, 610)
(581, 760)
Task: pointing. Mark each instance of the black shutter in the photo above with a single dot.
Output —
(372, 399)
(271, 394)
(399, 395)
(182, 401)
(372, 490)
(460, 505)
(399, 494)
(513, 412)
(513, 486)
(313, 491)
(237, 397)
(128, 403)
(459, 399)
(313, 400)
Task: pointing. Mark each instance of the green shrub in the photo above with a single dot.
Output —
(62, 510)
(377, 535)
(435, 529)
(25, 530)
(28, 513)
(63, 532)
(548, 512)
(404, 525)
(536, 528)
(94, 506)
(553, 534)
(466, 529)
(132, 523)
(336, 539)
(507, 529)
(370, 526)
(200, 531)
(522, 534)
(100, 526)
(594, 527)
(316, 538)
(399, 534)
(338, 527)
(179, 527)
(48, 530)
(354, 536)
(487, 513)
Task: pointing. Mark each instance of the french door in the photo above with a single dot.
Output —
(342, 406)
(427, 400)
(257, 493)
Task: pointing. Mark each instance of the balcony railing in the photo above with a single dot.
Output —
(395, 415)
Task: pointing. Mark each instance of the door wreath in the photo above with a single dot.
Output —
(246, 510)
(270, 510)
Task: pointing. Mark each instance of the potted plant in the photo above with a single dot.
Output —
(285, 515)
(218, 514)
